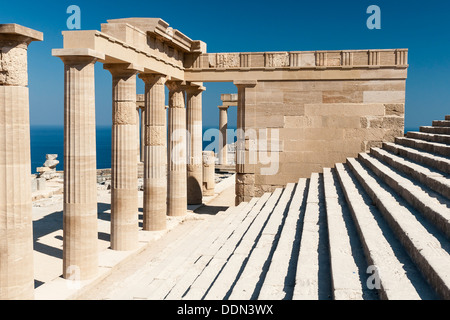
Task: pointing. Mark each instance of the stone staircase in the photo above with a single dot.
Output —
(376, 227)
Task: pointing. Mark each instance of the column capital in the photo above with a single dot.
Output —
(16, 33)
(78, 56)
(152, 78)
(175, 85)
(122, 69)
(193, 89)
(223, 107)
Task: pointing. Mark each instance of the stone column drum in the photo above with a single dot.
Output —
(208, 173)
(177, 189)
(124, 192)
(16, 230)
(155, 153)
(223, 125)
(80, 232)
(194, 144)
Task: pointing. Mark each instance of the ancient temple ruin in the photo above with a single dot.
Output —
(298, 113)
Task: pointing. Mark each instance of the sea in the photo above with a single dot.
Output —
(50, 140)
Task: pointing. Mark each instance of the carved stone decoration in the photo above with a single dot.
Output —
(277, 59)
(228, 60)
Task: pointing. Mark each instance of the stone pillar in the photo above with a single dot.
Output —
(245, 163)
(138, 136)
(223, 124)
(80, 232)
(16, 229)
(155, 153)
(124, 190)
(177, 188)
(194, 144)
(142, 135)
(209, 181)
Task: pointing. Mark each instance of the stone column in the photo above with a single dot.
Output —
(124, 192)
(80, 234)
(155, 153)
(177, 188)
(16, 229)
(138, 136)
(142, 135)
(194, 144)
(223, 124)
(209, 181)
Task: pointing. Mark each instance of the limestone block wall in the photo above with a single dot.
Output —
(314, 124)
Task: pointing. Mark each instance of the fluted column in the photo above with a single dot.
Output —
(138, 136)
(80, 232)
(155, 153)
(223, 125)
(142, 135)
(124, 192)
(16, 231)
(194, 144)
(176, 191)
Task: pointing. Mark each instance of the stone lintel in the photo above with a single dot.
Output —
(14, 29)
(229, 97)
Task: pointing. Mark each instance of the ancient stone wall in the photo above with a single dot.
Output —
(314, 124)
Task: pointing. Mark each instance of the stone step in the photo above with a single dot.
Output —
(239, 245)
(388, 271)
(218, 232)
(312, 282)
(433, 179)
(248, 285)
(146, 275)
(166, 265)
(439, 138)
(426, 247)
(441, 123)
(426, 158)
(437, 130)
(222, 284)
(346, 259)
(430, 204)
(280, 278)
(432, 147)
(206, 255)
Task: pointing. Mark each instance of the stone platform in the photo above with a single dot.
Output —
(48, 233)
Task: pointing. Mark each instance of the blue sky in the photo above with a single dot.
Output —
(233, 26)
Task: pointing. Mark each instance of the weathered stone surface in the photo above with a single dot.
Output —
(320, 123)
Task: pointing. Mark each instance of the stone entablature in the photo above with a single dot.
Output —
(303, 59)
(149, 44)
